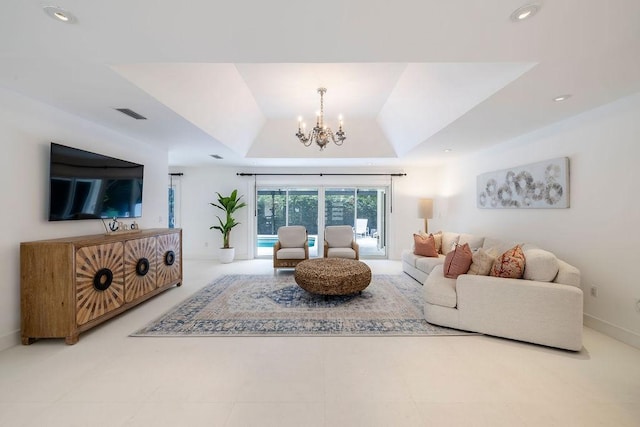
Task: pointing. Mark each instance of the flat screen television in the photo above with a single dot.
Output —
(85, 185)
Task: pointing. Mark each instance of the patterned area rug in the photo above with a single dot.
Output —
(259, 305)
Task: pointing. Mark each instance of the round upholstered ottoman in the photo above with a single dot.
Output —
(332, 276)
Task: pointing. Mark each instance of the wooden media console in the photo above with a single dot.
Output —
(70, 285)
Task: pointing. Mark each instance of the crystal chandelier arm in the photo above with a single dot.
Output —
(338, 138)
(341, 136)
(306, 140)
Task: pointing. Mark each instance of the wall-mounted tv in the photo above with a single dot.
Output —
(85, 185)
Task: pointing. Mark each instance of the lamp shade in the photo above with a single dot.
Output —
(425, 208)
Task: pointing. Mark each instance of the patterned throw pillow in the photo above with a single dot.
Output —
(457, 261)
(510, 264)
(481, 262)
(424, 246)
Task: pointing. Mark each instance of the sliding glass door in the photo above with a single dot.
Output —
(362, 208)
(288, 206)
(339, 206)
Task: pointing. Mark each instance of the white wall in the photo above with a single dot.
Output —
(26, 130)
(199, 185)
(599, 232)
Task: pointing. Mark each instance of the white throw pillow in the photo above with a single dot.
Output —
(540, 265)
(449, 242)
(482, 261)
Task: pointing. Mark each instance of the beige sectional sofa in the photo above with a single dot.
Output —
(544, 307)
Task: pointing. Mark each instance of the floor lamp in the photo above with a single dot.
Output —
(425, 211)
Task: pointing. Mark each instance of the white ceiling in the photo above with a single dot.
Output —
(411, 77)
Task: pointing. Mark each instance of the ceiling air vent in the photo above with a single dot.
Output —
(215, 156)
(131, 113)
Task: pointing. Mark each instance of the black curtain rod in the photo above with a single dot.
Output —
(320, 174)
(176, 174)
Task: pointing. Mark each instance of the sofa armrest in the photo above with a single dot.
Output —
(567, 274)
(540, 312)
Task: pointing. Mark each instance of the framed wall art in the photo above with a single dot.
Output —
(536, 185)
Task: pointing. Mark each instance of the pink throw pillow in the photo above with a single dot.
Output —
(424, 245)
(457, 261)
(510, 264)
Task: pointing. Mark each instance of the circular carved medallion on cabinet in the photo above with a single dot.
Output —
(142, 267)
(102, 279)
(169, 258)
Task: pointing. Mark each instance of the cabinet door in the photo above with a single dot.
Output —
(169, 258)
(99, 280)
(139, 267)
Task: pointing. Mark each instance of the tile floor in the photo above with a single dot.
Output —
(109, 379)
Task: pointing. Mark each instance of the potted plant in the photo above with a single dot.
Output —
(229, 205)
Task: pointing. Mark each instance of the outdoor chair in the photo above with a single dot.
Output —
(361, 227)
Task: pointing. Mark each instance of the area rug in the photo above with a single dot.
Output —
(273, 305)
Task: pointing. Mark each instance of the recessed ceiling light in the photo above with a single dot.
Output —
(562, 98)
(447, 150)
(525, 12)
(59, 14)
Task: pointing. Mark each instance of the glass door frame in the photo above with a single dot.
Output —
(265, 251)
(380, 251)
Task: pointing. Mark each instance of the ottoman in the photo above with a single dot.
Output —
(332, 276)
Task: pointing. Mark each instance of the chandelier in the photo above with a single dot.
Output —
(320, 134)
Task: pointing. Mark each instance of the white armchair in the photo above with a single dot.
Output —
(291, 248)
(339, 242)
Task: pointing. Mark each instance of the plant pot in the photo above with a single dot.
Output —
(226, 255)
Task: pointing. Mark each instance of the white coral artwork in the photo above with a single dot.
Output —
(536, 185)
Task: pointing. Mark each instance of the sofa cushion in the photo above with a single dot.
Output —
(498, 246)
(540, 265)
(449, 240)
(474, 241)
(339, 236)
(341, 253)
(481, 262)
(424, 245)
(409, 257)
(426, 264)
(292, 236)
(458, 261)
(439, 290)
(291, 253)
(510, 264)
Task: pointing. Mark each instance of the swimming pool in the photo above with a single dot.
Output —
(269, 241)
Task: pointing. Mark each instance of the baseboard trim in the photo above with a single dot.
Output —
(10, 340)
(621, 334)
